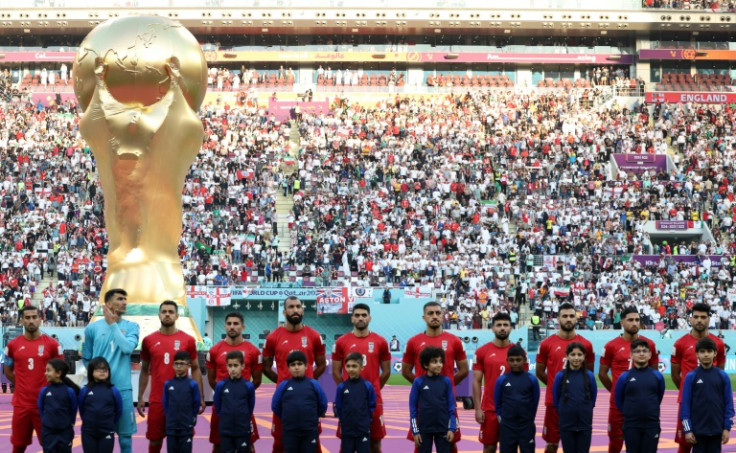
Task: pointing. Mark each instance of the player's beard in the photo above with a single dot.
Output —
(566, 329)
(503, 336)
(294, 319)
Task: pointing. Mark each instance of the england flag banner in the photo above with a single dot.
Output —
(218, 296)
(332, 301)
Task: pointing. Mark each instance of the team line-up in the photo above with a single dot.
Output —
(506, 395)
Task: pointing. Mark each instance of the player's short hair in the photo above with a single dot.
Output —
(235, 314)
(640, 342)
(705, 344)
(429, 353)
(169, 302)
(111, 293)
(566, 306)
(296, 356)
(354, 357)
(28, 308)
(629, 310)
(235, 355)
(516, 351)
(500, 316)
(431, 303)
(361, 306)
(292, 298)
(701, 307)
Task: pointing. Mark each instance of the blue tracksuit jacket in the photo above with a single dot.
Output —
(432, 405)
(576, 414)
(355, 400)
(516, 396)
(100, 407)
(707, 402)
(234, 401)
(181, 402)
(639, 393)
(57, 404)
(299, 403)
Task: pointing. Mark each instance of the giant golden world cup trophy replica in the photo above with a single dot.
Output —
(140, 82)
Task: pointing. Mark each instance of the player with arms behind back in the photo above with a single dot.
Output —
(551, 359)
(617, 358)
(684, 359)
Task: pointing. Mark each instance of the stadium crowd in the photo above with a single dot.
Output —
(715, 6)
(467, 193)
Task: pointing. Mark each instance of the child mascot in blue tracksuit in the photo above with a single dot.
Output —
(299, 402)
(181, 400)
(100, 407)
(235, 400)
(355, 401)
(574, 392)
(639, 392)
(516, 397)
(706, 409)
(57, 404)
(432, 404)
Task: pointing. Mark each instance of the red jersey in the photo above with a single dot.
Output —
(281, 342)
(217, 362)
(451, 344)
(374, 349)
(491, 361)
(683, 353)
(28, 359)
(159, 350)
(552, 353)
(617, 357)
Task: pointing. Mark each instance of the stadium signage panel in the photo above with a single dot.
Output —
(686, 54)
(659, 97)
(640, 157)
(716, 261)
(639, 163)
(671, 224)
(415, 57)
(38, 56)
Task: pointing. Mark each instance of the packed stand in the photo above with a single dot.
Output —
(400, 193)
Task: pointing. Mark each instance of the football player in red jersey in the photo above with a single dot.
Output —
(291, 336)
(434, 335)
(684, 359)
(490, 364)
(25, 366)
(157, 358)
(376, 364)
(551, 359)
(216, 365)
(617, 358)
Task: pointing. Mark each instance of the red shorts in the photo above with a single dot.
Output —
(278, 445)
(25, 420)
(215, 428)
(156, 426)
(455, 440)
(378, 429)
(488, 434)
(615, 422)
(551, 430)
